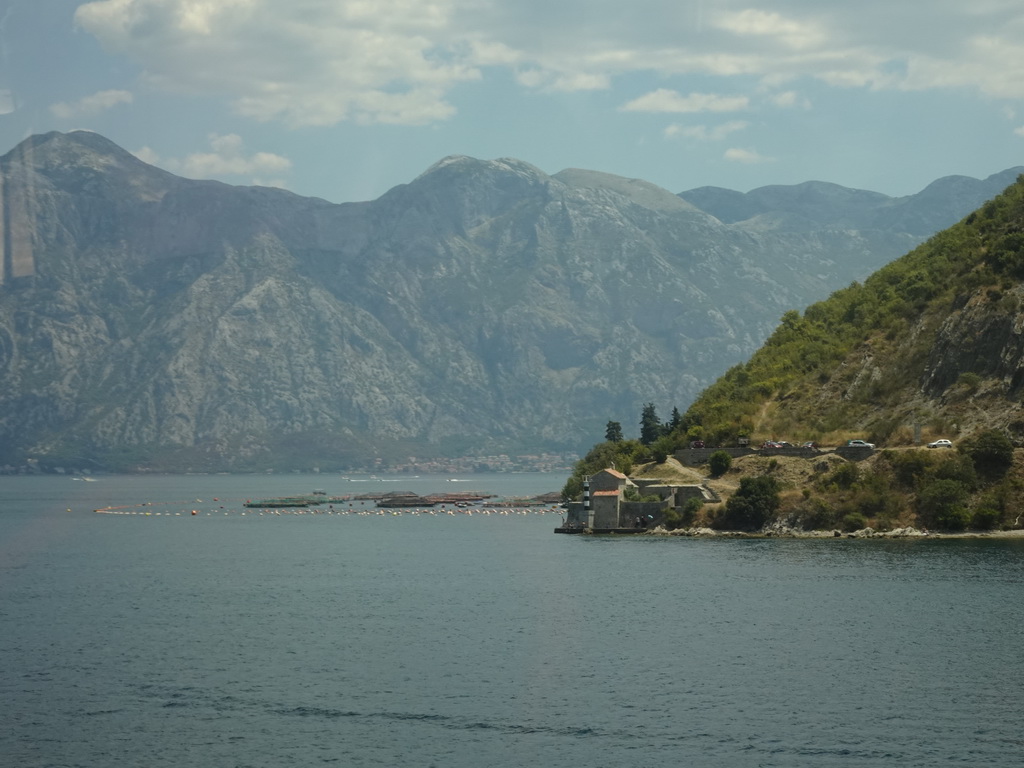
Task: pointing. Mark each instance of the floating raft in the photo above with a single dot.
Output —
(294, 501)
(410, 500)
(407, 499)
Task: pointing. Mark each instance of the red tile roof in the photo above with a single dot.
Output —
(606, 493)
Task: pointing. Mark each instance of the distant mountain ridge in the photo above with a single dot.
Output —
(151, 321)
(816, 204)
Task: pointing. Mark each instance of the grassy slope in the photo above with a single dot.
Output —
(853, 365)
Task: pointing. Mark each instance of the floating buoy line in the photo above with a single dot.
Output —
(239, 508)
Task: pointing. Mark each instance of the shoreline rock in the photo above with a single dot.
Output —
(783, 532)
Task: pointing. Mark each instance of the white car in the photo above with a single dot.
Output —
(941, 443)
(859, 444)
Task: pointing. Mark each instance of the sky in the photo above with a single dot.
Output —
(345, 99)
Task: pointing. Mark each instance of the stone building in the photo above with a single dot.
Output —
(605, 508)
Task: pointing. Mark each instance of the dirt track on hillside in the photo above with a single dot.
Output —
(790, 471)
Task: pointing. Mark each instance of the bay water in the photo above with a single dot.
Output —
(155, 637)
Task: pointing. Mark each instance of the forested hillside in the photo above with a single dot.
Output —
(934, 340)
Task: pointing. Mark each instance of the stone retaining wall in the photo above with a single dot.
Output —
(694, 457)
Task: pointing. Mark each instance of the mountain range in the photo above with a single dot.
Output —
(149, 321)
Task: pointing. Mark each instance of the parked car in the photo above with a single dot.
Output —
(941, 443)
(809, 444)
(697, 444)
(859, 444)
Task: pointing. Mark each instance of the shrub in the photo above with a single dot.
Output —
(815, 515)
(958, 468)
(953, 519)
(572, 489)
(874, 502)
(663, 447)
(940, 503)
(909, 466)
(970, 381)
(719, 463)
(672, 519)
(752, 506)
(854, 521)
(845, 475)
(991, 451)
(986, 518)
(683, 517)
(690, 509)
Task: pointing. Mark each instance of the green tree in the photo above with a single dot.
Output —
(662, 448)
(685, 515)
(854, 521)
(991, 451)
(908, 467)
(985, 518)
(752, 506)
(959, 468)
(625, 464)
(941, 503)
(846, 475)
(613, 432)
(650, 426)
(719, 463)
(695, 432)
(620, 455)
(572, 489)
(675, 421)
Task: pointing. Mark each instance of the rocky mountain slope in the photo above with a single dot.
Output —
(930, 346)
(152, 321)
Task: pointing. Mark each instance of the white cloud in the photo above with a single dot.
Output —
(227, 158)
(789, 100)
(665, 100)
(992, 63)
(304, 62)
(90, 105)
(491, 53)
(200, 16)
(792, 33)
(747, 156)
(320, 62)
(562, 82)
(705, 133)
(6, 101)
(1019, 131)
(580, 81)
(147, 155)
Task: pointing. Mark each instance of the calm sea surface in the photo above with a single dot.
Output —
(223, 639)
